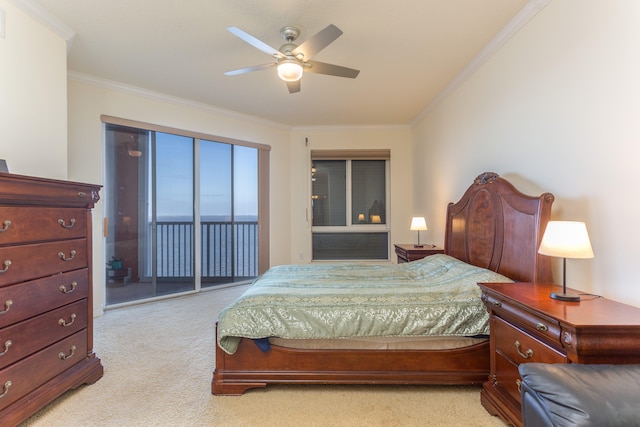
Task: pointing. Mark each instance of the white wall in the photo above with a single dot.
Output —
(556, 109)
(396, 139)
(88, 100)
(33, 97)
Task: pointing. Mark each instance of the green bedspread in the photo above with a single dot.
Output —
(437, 295)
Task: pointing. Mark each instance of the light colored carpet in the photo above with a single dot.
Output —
(159, 358)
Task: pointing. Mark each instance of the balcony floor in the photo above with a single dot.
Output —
(122, 291)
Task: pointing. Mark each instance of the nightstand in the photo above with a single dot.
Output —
(408, 252)
(528, 326)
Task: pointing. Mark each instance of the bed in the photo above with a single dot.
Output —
(494, 229)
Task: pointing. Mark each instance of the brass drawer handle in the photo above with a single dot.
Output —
(497, 303)
(5, 389)
(519, 385)
(7, 344)
(62, 257)
(527, 354)
(64, 289)
(7, 306)
(63, 356)
(7, 264)
(72, 222)
(542, 327)
(5, 225)
(64, 323)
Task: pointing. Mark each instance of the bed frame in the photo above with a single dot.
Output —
(493, 226)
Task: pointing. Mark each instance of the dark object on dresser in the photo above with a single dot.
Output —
(580, 395)
(46, 307)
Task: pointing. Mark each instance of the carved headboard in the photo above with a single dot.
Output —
(497, 227)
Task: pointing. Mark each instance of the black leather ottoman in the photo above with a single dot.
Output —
(580, 395)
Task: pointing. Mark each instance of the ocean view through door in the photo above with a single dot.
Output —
(176, 205)
(228, 212)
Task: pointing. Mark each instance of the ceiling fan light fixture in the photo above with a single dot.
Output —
(290, 70)
(292, 60)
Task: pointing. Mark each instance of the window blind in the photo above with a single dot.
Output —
(382, 154)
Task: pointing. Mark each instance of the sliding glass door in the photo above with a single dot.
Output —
(228, 212)
(176, 205)
(169, 212)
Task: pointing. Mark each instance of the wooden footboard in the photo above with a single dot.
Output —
(250, 367)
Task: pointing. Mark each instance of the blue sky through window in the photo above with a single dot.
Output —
(174, 175)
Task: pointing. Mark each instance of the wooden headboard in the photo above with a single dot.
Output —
(497, 227)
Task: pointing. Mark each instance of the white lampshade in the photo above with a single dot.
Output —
(418, 223)
(566, 239)
(290, 70)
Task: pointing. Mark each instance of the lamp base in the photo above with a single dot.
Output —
(418, 246)
(563, 296)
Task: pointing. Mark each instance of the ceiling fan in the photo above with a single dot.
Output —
(292, 59)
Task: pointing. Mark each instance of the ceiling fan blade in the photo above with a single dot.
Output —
(250, 69)
(330, 69)
(294, 86)
(258, 44)
(318, 42)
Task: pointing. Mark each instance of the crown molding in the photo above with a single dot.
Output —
(40, 14)
(349, 127)
(138, 91)
(530, 10)
(158, 96)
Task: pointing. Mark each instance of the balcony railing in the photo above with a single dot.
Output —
(229, 250)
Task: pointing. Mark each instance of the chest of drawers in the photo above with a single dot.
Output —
(46, 312)
(528, 326)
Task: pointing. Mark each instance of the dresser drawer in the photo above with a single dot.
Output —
(22, 339)
(29, 224)
(507, 376)
(544, 327)
(26, 375)
(520, 347)
(26, 262)
(24, 300)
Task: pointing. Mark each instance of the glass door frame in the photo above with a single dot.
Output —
(262, 185)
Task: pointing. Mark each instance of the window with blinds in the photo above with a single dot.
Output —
(350, 205)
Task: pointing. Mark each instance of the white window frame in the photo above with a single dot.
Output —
(349, 156)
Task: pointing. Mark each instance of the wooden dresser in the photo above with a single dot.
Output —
(528, 326)
(46, 312)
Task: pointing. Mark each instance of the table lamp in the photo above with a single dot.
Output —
(418, 223)
(566, 239)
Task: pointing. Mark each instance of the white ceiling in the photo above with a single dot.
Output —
(408, 52)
